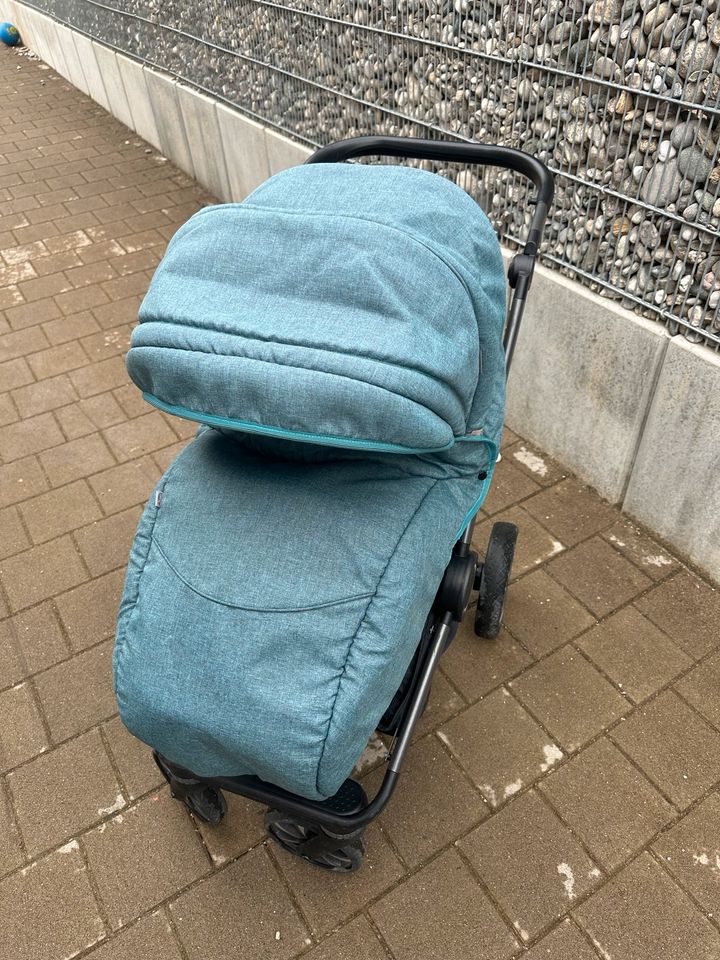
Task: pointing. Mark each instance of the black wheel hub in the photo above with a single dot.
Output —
(311, 842)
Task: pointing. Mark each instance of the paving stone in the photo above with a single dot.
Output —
(642, 915)
(15, 373)
(131, 400)
(571, 511)
(500, 746)
(701, 686)
(570, 697)
(691, 852)
(20, 479)
(42, 572)
(11, 854)
(531, 863)
(133, 759)
(688, 610)
(355, 941)
(29, 436)
(631, 650)
(39, 637)
(607, 802)
(11, 667)
(43, 396)
(8, 410)
(77, 694)
(89, 612)
(598, 576)
(434, 806)
(64, 791)
(677, 750)
(102, 409)
(632, 541)
(78, 458)
(564, 943)
(442, 912)
(242, 828)
(534, 544)
(326, 905)
(477, 666)
(60, 359)
(139, 436)
(14, 539)
(22, 735)
(105, 544)
(151, 936)
(144, 855)
(238, 912)
(533, 462)
(99, 377)
(444, 702)
(59, 511)
(70, 327)
(509, 486)
(48, 909)
(542, 615)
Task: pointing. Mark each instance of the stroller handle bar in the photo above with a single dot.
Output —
(483, 154)
(452, 151)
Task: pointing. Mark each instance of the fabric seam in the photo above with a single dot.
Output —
(360, 625)
(237, 606)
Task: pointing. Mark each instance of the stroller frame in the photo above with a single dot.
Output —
(328, 832)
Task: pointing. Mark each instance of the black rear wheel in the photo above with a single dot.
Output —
(311, 842)
(493, 578)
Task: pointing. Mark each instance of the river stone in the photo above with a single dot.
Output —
(694, 164)
(661, 185)
(695, 58)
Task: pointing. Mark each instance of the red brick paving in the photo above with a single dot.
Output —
(561, 795)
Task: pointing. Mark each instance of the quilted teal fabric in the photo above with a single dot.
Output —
(277, 585)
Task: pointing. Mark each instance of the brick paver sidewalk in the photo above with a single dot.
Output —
(561, 793)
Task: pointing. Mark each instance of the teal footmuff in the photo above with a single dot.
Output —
(338, 338)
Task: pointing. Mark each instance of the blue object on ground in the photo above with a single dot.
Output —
(9, 34)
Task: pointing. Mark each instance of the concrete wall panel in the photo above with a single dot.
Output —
(203, 138)
(110, 72)
(245, 149)
(141, 111)
(675, 482)
(168, 120)
(583, 373)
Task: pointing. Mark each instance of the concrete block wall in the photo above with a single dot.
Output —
(631, 410)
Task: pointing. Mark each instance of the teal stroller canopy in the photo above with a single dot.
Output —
(341, 304)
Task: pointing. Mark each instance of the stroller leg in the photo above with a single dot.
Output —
(204, 801)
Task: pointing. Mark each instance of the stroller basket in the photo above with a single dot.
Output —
(341, 338)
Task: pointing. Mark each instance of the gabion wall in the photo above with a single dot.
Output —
(620, 99)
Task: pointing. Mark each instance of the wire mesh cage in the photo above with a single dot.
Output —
(621, 98)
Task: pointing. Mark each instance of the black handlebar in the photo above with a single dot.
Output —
(453, 152)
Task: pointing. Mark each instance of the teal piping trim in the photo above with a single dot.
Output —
(492, 456)
(325, 440)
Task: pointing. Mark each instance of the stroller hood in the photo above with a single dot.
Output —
(342, 304)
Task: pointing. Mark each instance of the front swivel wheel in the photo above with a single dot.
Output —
(492, 580)
(311, 842)
(204, 801)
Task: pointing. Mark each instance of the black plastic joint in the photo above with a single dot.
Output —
(520, 273)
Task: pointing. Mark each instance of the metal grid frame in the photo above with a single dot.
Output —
(562, 78)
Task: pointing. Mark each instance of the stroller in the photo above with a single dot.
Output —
(306, 559)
